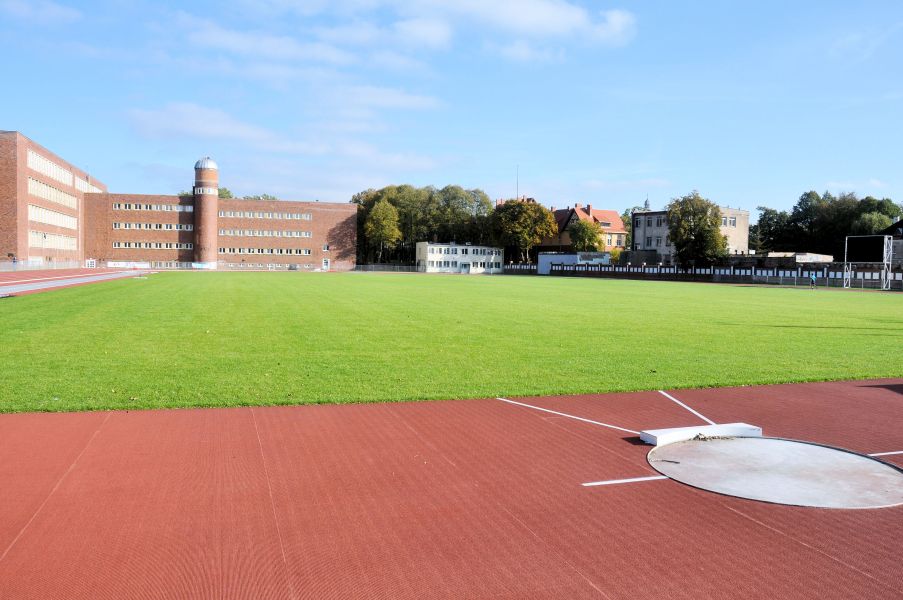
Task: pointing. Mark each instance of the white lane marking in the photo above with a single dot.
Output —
(670, 397)
(76, 276)
(886, 453)
(631, 480)
(561, 414)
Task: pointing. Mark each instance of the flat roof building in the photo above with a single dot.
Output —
(459, 258)
(52, 212)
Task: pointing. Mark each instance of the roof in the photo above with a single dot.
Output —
(610, 220)
(895, 230)
(206, 163)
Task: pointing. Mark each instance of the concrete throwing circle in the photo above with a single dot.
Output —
(781, 471)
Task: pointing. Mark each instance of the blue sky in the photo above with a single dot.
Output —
(603, 103)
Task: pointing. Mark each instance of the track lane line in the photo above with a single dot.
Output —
(700, 415)
(630, 480)
(886, 453)
(561, 414)
(59, 482)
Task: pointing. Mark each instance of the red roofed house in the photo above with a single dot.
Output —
(614, 234)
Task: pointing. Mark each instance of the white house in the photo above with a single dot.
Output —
(458, 258)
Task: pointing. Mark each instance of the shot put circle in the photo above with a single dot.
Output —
(781, 471)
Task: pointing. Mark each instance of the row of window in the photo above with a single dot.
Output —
(474, 251)
(301, 251)
(659, 221)
(658, 241)
(158, 207)
(155, 245)
(47, 167)
(617, 239)
(83, 185)
(39, 214)
(264, 233)
(54, 241)
(39, 189)
(165, 226)
(454, 264)
(256, 214)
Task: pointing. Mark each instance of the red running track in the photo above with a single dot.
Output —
(53, 279)
(463, 499)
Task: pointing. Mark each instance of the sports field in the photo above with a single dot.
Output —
(225, 339)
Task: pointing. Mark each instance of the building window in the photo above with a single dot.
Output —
(658, 241)
(325, 247)
(724, 221)
(648, 221)
(733, 221)
(658, 221)
(649, 241)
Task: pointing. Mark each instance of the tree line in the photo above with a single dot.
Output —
(820, 223)
(391, 221)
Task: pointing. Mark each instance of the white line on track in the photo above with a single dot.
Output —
(76, 276)
(631, 480)
(561, 414)
(886, 453)
(670, 397)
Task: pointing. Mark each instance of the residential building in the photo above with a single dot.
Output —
(613, 237)
(459, 258)
(650, 232)
(51, 211)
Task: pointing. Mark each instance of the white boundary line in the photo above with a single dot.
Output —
(886, 453)
(561, 414)
(631, 480)
(670, 397)
(20, 281)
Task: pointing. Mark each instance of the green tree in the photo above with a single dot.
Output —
(523, 225)
(260, 197)
(694, 224)
(381, 227)
(773, 230)
(225, 194)
(869, 223)
(585, 236)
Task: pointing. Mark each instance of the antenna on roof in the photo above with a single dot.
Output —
(517, 184)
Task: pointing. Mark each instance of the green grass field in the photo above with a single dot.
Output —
(224, 339)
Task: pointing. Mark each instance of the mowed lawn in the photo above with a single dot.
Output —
(222, 339)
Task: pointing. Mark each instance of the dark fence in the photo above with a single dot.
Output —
(388, 268)
(520, 269)
(824, 276)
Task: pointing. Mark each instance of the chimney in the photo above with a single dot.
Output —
(589, 209)
(577, 205)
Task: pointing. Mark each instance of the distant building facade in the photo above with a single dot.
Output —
(459, 258)
(545, 260)
(614, 234)
(651, 233)
(896, 232)
(51, 211)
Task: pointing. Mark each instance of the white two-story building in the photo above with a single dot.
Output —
(459, 258)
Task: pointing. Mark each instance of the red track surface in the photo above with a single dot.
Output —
(65, 277)
(476, 499)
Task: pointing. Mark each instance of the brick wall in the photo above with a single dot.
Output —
(100, 235)
(8, 195)
(332, 224)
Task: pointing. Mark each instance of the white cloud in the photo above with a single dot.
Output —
(207, 34)
(422, 32)
(382, 97)
(39, 11)
(523, 51)
(183, 120)
(188, 120)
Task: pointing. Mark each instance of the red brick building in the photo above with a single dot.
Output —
(51, 211)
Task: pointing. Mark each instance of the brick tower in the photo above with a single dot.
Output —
(206, 209)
